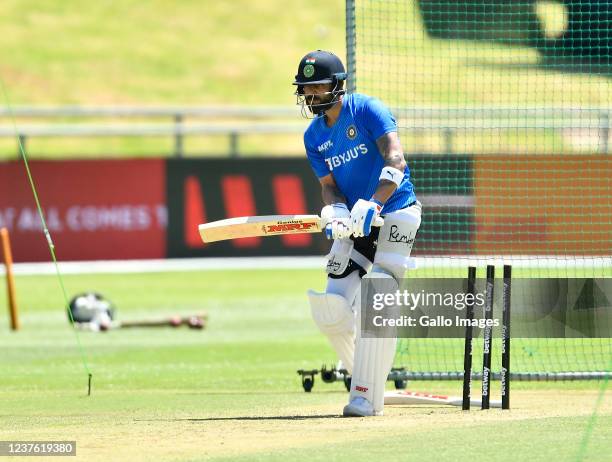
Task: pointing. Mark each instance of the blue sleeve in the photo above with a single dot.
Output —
(317, 162)
(377, 118)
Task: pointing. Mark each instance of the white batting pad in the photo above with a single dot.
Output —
(373, 361)
(372, 366)
(334, 317)
(396, 239)
(347, 287)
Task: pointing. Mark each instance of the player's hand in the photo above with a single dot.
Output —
(363, 215)
(335, 221)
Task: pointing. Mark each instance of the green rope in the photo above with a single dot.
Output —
(593, 418)
(47, 235)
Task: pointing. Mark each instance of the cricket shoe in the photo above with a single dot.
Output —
(359, 407)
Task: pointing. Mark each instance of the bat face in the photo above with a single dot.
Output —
(267, 225)
(288, 228)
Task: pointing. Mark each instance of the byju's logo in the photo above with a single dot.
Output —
(347, 156)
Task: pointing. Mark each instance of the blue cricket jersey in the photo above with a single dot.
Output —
(348, 150)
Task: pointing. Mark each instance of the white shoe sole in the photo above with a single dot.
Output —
(354, 411)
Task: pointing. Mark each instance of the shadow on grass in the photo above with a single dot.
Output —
(260, 392)
(247, 418)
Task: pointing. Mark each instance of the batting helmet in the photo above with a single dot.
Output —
(320, 67)
(91, 307)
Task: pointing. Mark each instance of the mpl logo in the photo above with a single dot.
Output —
(288, 227)
(325, 146)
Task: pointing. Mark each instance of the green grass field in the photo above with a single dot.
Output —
(231, 392)
(159, 53)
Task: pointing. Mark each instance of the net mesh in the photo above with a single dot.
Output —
(503, 109)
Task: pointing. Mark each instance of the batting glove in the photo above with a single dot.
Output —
(335, 221)
(363, 215)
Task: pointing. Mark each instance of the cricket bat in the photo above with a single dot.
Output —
(193, 322)
(263, 225)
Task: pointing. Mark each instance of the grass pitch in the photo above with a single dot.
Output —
(231, 392)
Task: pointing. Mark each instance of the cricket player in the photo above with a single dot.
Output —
(354, 150)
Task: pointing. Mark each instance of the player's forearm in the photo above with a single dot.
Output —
(391, 150)
(395, 158)
(384, 191)
(332, 195)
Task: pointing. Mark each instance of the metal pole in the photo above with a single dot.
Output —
(448, 141)
(351, 45)
(178, 135)
(604, 128)
(233, 144)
